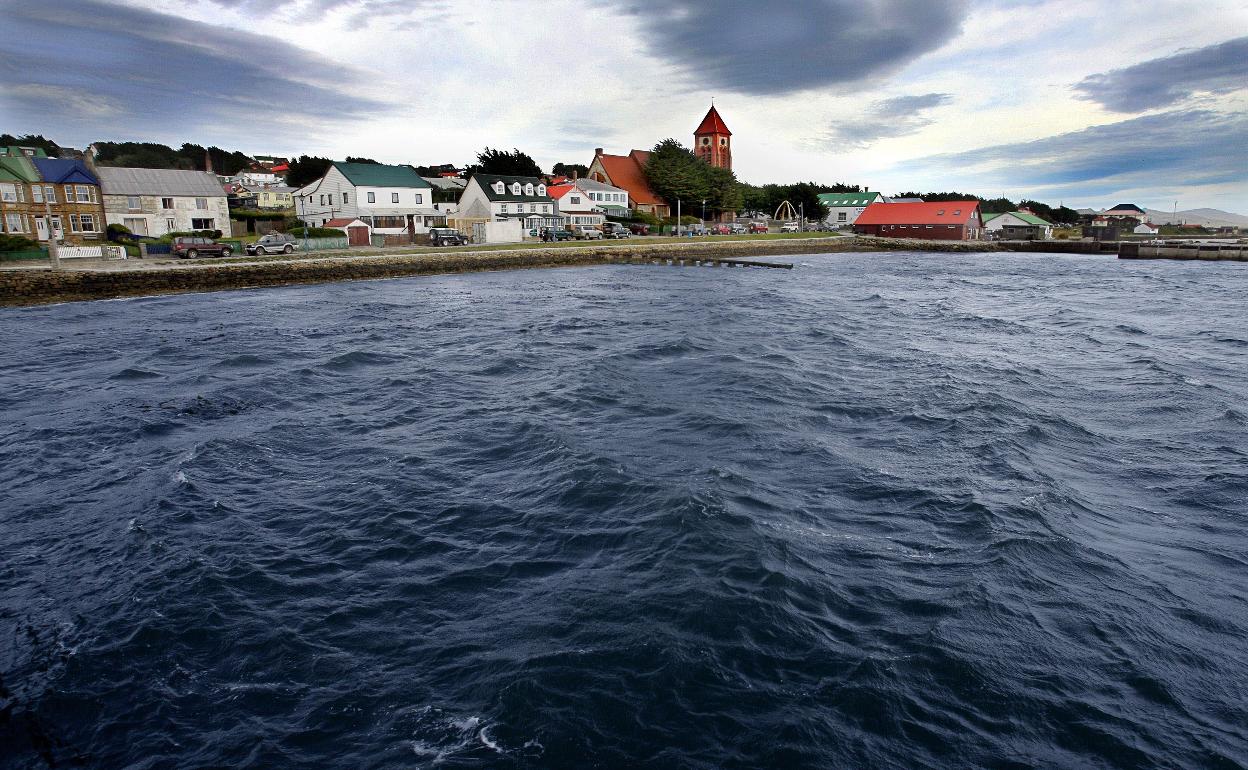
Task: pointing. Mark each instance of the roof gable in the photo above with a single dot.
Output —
(159, 181)
(17, 168)
(381, 175)
(712, 124)
(932, 213)
(628, 173)
(60, 171)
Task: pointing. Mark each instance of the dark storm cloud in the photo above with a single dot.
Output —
(103, 67)
(1179, 148)
(885, 119)
(1162, 82)
(755, 47)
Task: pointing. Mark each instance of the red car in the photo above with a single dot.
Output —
(639, 229)
(190, 248)
(758, 227)
(721, 230)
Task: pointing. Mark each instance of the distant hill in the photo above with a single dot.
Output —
(1203, 217)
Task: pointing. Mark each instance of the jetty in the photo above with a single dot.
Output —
(1205, 250)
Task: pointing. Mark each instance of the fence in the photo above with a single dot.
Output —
(91, 252)
(14, 256)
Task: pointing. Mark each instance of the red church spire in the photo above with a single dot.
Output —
(712, 141)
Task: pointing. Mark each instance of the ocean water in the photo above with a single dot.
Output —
(884, 510)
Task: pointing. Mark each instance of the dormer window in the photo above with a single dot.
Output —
(499, 188)
(541, 190)
(528, 190)
(515, 188)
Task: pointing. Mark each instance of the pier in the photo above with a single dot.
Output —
(1209, 251)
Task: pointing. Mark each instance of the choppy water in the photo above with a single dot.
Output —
(897, 510)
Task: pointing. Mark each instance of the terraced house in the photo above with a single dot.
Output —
(31, 184)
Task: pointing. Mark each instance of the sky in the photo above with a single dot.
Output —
(1079, 102)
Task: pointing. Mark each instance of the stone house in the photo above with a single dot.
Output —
(157, 201)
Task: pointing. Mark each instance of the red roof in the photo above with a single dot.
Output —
(627, 172)
(280, 168)
(931, 213)
(340, 222)
(712, 124)
(558, 191)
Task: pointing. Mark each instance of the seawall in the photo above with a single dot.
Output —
(41, 285)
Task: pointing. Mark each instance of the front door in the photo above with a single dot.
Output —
(41, 228)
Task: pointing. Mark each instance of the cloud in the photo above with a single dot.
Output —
(746, 46)
(898, 116)
(111, 67)
(1177, 148)
(1166, 81)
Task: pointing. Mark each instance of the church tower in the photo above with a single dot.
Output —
(712, 141)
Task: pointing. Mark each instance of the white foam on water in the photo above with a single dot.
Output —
(485, 738)
(181, 478)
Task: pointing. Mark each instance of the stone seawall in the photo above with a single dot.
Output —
(35, 286)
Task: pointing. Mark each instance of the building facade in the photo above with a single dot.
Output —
(938, 221)
(492, 198)
(31, 184)
(627, 172)
(1018, 225)
(575, 206)
(392, 200)
(158, 201)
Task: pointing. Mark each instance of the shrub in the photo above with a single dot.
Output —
(116, 229)
(17, 243)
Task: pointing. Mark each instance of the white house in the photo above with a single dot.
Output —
(610, 199)
(156, 201)
(845, 208)
(1146, 228)
(393, 200)
(256, 178)
(1022, 225)
(492, 197)
(575, 206)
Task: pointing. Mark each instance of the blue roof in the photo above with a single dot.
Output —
(62, 170)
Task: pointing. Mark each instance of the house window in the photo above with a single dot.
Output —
(322, 200)
(345, 199)
(528, 190)
(394, 197)
(49, 192)
(74, 226)
(545, 208)
(575, 200)
(83, 193)
(499, 188)
(372, 197)
(166, 203)
(37, 193)
(14, 222)
(541, 190)
(8, 193)
(532, 208)
(515, 188)
(706, 141)
(330, 197)
(171, 225)
(132, 203)
(202, 224)
(929, 227)
(957, 212)
(201, 204)
(419, 199)
(503, 208)
(842, 217)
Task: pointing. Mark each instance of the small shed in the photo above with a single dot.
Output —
(358, 231)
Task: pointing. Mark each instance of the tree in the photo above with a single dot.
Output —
(31, 140)
(570, 169)
(676, 174)
(306, 169)
(514, 163)
(362, 160)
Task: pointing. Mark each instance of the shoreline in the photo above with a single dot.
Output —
(42, 285)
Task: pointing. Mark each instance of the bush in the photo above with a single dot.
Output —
(190, 234)
(317, 232)
(116, 229)
(17, 243)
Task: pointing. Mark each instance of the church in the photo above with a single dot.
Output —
(712, 142)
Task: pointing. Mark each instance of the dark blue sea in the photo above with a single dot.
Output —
(884, 510)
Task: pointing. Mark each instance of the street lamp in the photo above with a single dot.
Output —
(704, 212)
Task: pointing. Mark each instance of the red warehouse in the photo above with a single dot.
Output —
(943, 221)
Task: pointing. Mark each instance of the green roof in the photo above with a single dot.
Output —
(379, 175)
(17, 168)
(487, 184)
(832, 200)
(1030, 219)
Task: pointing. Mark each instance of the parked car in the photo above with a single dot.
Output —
(616, 230)
(692, 230)
(736, 228)
(721, 229)
(561, 235)
(639, 229)
(447, 236)
(790, 227)
(190, 247)
(586, 232)
(758, 227)
(272, 243)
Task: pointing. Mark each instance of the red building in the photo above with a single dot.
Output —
(937, 221)
(712, 141)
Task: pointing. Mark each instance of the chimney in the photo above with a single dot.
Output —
(575, 174)
(597, 152)
(208, 162)
(88, 157)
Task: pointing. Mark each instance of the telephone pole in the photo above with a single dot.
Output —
(54, 253)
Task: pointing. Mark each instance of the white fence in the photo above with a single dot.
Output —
(91, 252)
